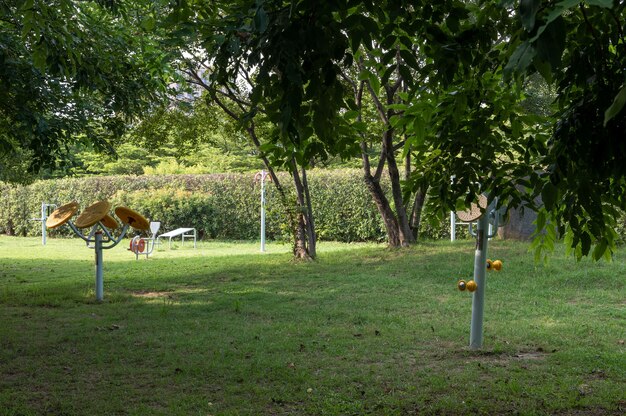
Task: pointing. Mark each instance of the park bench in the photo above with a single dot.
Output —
(182, 232)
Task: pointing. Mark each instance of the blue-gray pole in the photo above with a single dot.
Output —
(99, 273)
(480, 271)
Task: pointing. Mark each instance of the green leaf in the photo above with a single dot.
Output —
(551, 45)
(585, 241)
(351, 114)
(148, 23)
(406, 74)
(409, 58)
(374, 82)
(607, 4)
(540, 222)
(260, 20)
(599, 249)
(554, 14)
(520, 60)
(528, 10)
(616, 107)
(549, 195)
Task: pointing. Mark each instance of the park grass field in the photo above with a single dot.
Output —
(225, 330)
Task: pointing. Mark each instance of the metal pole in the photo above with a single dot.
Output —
(452, 226)
(480, 270)
(99, 278)
(263, 211)
(44, 216)
(452, 216)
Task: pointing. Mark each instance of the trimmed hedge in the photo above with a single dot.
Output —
(225, 206)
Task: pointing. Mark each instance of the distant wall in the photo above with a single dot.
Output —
(520, 225)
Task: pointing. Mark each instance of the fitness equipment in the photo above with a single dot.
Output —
(485, 214)
(100, 237)
(497, 265)
(461, 285)
(494, 265)
(138, 244)
(262, 177)
(45, 211)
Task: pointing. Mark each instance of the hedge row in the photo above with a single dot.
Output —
(225, 206)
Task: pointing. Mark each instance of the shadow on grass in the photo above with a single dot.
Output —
(366, 331)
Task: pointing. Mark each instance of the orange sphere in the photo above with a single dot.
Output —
(497, 265)
(471, 286)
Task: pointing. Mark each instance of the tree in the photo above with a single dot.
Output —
(579, 47)
(251, 85)
(71, 72)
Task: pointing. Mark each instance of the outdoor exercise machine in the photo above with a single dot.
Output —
(262, 176)
(145, 245)
(45, 211)
(102, 224)
(487, 218)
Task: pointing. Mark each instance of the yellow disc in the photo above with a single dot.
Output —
(92, 214)
(61, 215)
(109, 222)
(132, 218)
(474, 212)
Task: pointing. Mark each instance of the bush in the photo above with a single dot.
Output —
(225, 206)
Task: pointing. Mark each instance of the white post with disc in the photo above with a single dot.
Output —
(262, 176)
(44, 216)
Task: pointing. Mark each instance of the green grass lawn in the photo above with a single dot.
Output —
(226, 330)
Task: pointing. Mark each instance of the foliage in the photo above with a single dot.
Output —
(72, 72)
(580, 48)
(131, 159)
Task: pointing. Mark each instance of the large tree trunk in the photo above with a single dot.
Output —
(312, 235)
(404, 230)
(305, 244)
(384, 208)
(418, 206)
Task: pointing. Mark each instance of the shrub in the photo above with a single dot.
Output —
(225, 206)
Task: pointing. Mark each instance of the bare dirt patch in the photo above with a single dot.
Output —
(152, 295)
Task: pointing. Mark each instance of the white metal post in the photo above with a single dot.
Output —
(452, 216)
(452, 226)
(263, 174)
(480, 270)
(44, 217)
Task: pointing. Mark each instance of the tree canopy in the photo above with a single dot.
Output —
(471, 59)
(72, 71)
(457, 70)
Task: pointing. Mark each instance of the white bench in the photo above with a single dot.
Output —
(182, 232)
